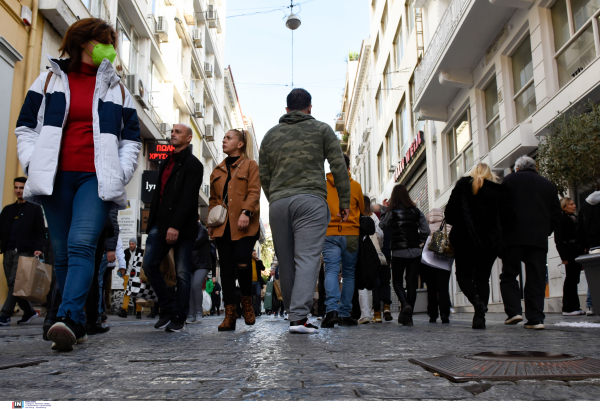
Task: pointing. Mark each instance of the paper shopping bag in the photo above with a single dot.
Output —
(277, 287)
(33, 279)
(167, 268)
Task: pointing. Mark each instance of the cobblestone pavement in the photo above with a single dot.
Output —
(368, 362)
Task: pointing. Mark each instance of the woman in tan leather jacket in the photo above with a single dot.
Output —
(236, 179)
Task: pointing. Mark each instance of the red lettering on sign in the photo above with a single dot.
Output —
(413, 148)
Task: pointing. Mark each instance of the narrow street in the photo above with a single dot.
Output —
(368, 362)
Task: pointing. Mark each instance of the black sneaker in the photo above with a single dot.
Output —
(28, 318)
(175, 327)
(103, 317)
(347, 322)
(138, 315)
(163, 321)
(302, 327)
(63, 334)
(405, 317)
(331, 318)
(97, 328)
(122, 313)
(4, 321)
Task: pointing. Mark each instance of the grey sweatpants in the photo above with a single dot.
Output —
(196, 296)
(299, 225)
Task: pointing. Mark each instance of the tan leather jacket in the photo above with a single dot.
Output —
(243, 193)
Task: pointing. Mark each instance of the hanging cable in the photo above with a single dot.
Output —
(292, 60)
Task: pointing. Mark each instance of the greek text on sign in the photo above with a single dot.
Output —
(158, 152)
(414, 146)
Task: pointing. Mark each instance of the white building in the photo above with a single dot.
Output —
(442, 85)
(170, 56)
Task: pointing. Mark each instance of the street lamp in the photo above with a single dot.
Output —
(293, 21)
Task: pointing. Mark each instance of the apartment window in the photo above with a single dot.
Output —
(524, 87)
(387, 79)
(388, 149)
(399, 47)
(573, 36)
(96, 8)
(492, 116)
(381, 168)
(384, 19)
(128, 42)
(410, 15)
(378, 104)
(460, 147)
(403, 129)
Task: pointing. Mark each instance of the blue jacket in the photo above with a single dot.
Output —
(116, 133)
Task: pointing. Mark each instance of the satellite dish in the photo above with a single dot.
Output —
(293, 21)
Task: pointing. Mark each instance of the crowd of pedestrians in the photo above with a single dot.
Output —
(331, 242)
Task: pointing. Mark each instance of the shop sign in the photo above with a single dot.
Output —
(158, 152)
(149, 179)
(410, 154)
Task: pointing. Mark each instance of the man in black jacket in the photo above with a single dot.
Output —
(22, 233)
(172, 224)
(537, 214)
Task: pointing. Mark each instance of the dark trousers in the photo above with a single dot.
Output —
(11, 261)
(322, 293)
(156, 250)
(570, 296)
(438, 295)
(231, 254)
(473, 271)
(92, 301)
(534, 259)
(216, 304)
(256, 289)
(382, 291)
(400, 265)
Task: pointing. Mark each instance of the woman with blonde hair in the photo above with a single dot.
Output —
(235, 184)
(476, 209)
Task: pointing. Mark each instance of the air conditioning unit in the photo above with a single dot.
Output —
(164, 127)
(211, 16)
(198, 110)
(208, 69)
(197, 37)
(138, 90)
(209, 133)
(162, 29)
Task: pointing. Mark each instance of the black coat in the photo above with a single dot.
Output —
(32, 229)
(260, 267)
(566, 238)
(140, 255)
(476, 220)
(201, 254)
(178, 207)
(588, 230)
(536, 209)
(214, 296)
(405, 228)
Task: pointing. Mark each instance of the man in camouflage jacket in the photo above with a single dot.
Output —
(292, 174)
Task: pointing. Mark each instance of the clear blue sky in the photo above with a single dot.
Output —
(258, 47)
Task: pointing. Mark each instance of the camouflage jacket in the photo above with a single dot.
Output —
(292, 157)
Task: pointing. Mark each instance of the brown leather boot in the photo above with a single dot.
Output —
(247, 310)
(228, 323)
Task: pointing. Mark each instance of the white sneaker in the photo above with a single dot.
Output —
(578, 312)
(306, 328)
(452, 311)
(319, 318)
(515, 319)
(286, 318)
(589, 311)
(364, 320)
(191, 319)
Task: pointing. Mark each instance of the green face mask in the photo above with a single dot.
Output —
(102, 51)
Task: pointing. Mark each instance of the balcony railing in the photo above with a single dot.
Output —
(438, 42)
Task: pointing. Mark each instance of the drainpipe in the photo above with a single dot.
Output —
(28, 58)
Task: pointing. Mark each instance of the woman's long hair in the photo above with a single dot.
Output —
(368, 211)
(400, 198)
(479, 173)
(242, 135)
(81, 33)
(564, 202)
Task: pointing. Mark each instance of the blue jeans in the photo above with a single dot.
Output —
(156, 250)
(335, 252)
(588, 302)
(101, 271)
(76, 217)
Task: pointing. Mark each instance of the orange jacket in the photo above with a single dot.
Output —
(243, 193)
(357, 207)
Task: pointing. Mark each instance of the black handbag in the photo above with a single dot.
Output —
(440, 242)
(367, 225)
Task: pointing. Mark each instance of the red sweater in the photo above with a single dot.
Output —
(77, 146)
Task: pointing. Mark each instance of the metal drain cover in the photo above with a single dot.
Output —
(511, 366)
(6, 363)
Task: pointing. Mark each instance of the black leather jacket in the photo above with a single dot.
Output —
(405, 228)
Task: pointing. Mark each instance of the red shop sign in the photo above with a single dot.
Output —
(158, 152)
(413, 148)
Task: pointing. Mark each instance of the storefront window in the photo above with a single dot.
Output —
(492, 115)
